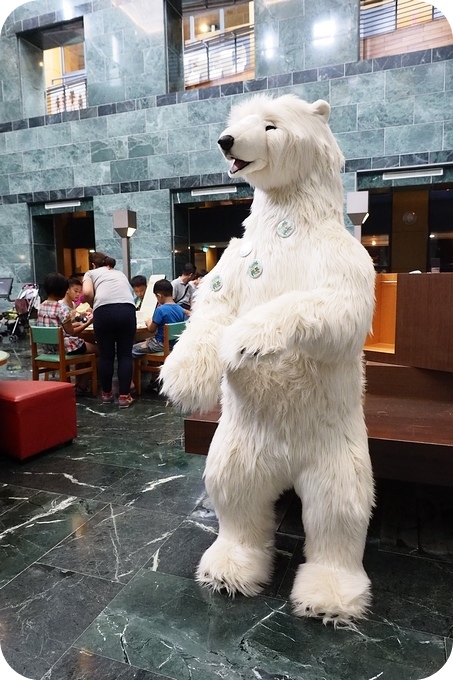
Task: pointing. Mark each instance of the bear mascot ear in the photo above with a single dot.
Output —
(322, 108)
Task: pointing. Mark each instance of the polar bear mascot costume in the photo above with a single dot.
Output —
(277, 334)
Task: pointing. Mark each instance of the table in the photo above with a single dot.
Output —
(4, 356)
(140, 335)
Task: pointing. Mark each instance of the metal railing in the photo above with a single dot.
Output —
(377, 17)
(221, 57)
(68, 93)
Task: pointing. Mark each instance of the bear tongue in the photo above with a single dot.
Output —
(238, 165)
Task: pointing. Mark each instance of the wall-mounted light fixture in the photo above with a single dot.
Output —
(125, 225)
(213, 190)
(357, 210)
(62, 204)
(412, 174)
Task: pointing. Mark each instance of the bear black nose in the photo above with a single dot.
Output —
(226, 142)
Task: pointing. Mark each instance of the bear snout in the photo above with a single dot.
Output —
(225, 142)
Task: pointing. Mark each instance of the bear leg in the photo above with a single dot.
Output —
(337, 496)
(228, 565)
(238, 483)
(331, 594)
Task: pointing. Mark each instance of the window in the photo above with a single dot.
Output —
(219, 42)
(65, 77)
(390, 27)
(60, 52)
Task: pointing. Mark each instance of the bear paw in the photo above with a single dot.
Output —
(234, 568)
(242, 345)
(333, 595)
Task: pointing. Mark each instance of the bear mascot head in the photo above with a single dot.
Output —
(276, 334)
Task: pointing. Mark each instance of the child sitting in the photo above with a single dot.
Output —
(53, 313)
(166, 312)
(71, 299)
(139, 285)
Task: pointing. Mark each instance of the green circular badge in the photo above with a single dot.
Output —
(216, 283)
(255, 269)
(286, 228)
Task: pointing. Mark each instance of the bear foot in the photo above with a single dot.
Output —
(333, 595)
(235, 568)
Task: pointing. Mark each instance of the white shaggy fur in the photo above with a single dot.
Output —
(284, 352)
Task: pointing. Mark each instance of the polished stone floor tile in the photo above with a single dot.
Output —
(134, 451)
(416, 519)
(62, 475)
(37, 525)
(80, 665)
(167, 624)
(115, 543)
(149, 414)
(371, 650)
(100, 540)
(411, 592)
(291, 521)
(43, 611)
(176, 493)
(181, 553)
(11, 496)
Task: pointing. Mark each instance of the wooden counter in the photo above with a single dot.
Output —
(413, 321)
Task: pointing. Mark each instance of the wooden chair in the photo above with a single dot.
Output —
(151, 362)
(59, 362)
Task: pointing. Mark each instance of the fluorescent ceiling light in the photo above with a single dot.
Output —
(410, 174)
(213, 190)
(62, 204)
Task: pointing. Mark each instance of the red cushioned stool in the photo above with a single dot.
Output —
(35, 416)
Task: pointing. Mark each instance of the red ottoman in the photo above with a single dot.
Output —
(34, 416)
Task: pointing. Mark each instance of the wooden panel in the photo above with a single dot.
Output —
(407, 382)
(416, 421)
(424, 324)
(423, 36)
(199, 429)
(422, 464)
(409, 240)
(382, 339)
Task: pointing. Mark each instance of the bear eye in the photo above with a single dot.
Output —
(270, 127)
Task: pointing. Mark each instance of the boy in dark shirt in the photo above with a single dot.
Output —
(167, 311)
(138, 284)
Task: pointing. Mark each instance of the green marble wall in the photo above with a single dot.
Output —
(125, 51)
(301, 34)
(140, 146)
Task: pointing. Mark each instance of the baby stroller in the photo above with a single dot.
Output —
(14, 322)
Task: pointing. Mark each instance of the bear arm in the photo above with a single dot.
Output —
(192, 372)
(330, 325)
(321, 322)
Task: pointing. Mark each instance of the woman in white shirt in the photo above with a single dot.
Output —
(114, 320)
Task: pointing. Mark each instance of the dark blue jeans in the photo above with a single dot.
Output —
(114, 327)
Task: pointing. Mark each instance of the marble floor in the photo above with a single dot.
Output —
(99, 541)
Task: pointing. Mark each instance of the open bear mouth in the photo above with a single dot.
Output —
(237, 165)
